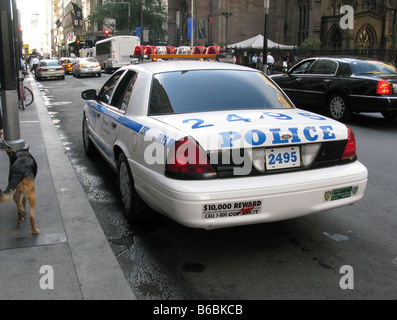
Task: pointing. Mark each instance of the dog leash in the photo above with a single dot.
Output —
(4, 144)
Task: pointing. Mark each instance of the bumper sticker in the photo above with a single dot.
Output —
(341, 193)
(230, 209)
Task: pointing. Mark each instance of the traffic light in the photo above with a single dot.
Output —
(107, 32)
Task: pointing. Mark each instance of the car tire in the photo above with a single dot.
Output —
(338, 107)
(88, 146)
(134, 208)
(99, 74)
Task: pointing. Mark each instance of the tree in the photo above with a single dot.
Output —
(115, 17)
(311, 43)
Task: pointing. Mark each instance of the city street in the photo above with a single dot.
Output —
(346, 253)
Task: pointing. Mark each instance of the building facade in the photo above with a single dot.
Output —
(290, 22)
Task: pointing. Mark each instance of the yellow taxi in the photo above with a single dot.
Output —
(68, 64)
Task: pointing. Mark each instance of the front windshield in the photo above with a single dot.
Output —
(213, 90)
(373, 67)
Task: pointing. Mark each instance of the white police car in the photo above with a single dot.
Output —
(214, 145)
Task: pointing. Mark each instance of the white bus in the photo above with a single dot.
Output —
(115, 52)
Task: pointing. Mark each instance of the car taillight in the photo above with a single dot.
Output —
(98, 64)
(188, 161)
(349, 153)
(69, 65)
(62, 68)
(80, 65)
(41, 69)
(384, 87)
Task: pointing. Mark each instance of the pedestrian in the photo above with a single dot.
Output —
(270, 63)
(259, 64)
(35, 62)
(254, 61)
(1, 126)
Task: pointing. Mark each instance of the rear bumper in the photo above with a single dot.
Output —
(50, 74)
(90, 70)
(373, 104)
(234, 202)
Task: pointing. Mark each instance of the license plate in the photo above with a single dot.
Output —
(89, 69)
(51, 69)
(394, 88)
(282, 158)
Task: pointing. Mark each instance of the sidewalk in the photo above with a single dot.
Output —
(71, 241)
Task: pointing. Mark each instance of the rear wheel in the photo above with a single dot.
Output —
(134, 208)
(338, 107)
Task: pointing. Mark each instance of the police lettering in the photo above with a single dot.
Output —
(278, 136)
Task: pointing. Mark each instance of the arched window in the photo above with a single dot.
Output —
(304, 20)
(366, 38)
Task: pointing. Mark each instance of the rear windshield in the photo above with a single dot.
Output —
(373, 67)
(213, 90)
(50, 63)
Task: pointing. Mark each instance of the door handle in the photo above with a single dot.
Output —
(114, 125)
(298, 79)
(328, 80)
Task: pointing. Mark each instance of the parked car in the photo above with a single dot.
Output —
(215, 145)
(68, 64)
(342, 86)
(86, 66)
(50, 68)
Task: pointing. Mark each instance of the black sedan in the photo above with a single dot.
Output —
(342, 86)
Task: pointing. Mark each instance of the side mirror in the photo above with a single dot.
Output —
(89, 94)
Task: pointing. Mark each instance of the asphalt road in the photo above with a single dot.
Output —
(346, 253)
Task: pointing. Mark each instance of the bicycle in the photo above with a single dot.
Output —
(25, 94)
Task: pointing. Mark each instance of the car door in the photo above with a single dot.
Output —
(320, 79)
(114, 117)
(105, 113)
(291, 82)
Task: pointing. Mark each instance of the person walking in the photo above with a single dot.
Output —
(254, 61)
(259, 64)
(270, 63)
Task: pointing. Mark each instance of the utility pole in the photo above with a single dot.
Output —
(10, 71)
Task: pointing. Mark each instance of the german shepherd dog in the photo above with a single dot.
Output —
(23, 171)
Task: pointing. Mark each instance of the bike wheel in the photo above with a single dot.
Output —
(28, 95)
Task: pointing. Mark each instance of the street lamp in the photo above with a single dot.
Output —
(227, 15)
(266, 5)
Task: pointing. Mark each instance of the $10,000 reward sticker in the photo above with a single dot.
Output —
(230, 209)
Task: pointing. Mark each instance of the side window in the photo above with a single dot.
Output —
(324, 67)
(344, 70)
(128, 92)
(107, 90)
(122, 95)
(302, 68)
